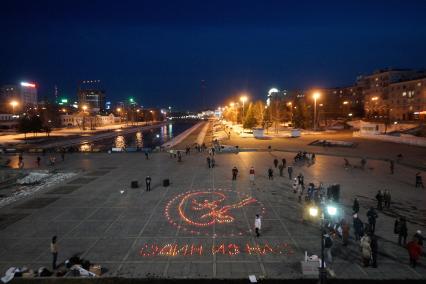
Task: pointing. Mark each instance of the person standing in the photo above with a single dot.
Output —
(63, 155)
(252, 175)
(281, 169)
(284, 161)
(374, 250)
(270, 174)
(148, 183)
(391, 166)
(257, 225)
(414, 252)
(38, 161)
(366, 250)
(275, 162)
(372, 216)
(345, 232)
(419, 180)
(358, 227)
(146, 155)
(54, 251)
(290, 172)
(387, 198)
(355, 206)
(213, 162)
(402, 231)
(328, 244)
(379, 198)
(208, 162)
(234, 173)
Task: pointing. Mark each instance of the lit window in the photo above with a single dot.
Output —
(404, 94)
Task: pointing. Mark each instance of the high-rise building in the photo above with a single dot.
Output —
(22, 95)
(91, 96)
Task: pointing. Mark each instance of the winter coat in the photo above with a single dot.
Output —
(257, 223)
(365, 247)
(414, 250)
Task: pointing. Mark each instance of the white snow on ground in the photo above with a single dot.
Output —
(39, 180)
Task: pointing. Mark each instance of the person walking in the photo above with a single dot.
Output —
(179, 155)
(270, 174)
(419, 180)
(38, 161)
(284, 161)
(148, 183)
(365, 250)
(391, 166)
(257, 225)
(379, 198)
(208, 162)
(62, 155)
(372, 216)
(213, 162)
(414, 252)
(54, 251)
(146, 155)
(234, 173)
(252, 175)
(275, 162)
(374, 245)
(290, 172)
(387, 198)
(355, 206)
(402, 231)
(281, 169)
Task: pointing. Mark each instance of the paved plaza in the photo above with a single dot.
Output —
(201, 226)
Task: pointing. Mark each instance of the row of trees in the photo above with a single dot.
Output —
(257, 114)
(33, 124)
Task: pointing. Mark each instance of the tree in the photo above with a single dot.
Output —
(259, 112)
(302, 115)
(24, 126)
(36, 124)
(277, 112)
(250, 120)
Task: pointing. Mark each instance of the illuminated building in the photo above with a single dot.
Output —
(25, 94)
(91, 95)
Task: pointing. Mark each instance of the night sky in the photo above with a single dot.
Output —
(158, 51)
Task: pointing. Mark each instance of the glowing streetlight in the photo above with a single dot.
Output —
(14, 104)
(374, 98)
(84, 108)
(232, 104)
(316, 96)
(118, 109)
(331, 210)
(313, 211)
(345, 102)
(243, 99)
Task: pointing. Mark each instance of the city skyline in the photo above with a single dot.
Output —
(157, 53)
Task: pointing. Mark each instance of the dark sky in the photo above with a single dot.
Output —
(158, 51)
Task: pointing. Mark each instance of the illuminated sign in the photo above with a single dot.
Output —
(30, 85)
(228, 249)
(197, 211)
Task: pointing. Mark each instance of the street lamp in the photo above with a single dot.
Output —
(243, 99)
(316, 96)
(13, 104)
(332, 211)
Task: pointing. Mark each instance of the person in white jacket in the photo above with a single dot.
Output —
(257, 225)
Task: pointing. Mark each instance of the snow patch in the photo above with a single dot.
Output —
(34, 182)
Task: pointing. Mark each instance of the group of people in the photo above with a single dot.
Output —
(365, 233)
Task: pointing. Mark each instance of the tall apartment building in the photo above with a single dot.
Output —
(394, 94)
(24, 94)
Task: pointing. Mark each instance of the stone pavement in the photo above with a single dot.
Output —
(169, 232)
